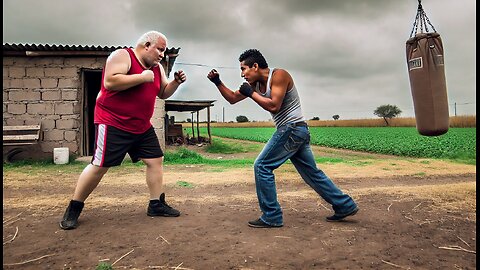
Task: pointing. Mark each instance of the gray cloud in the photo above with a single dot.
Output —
(347, 57)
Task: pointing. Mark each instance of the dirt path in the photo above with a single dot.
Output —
(415, 214)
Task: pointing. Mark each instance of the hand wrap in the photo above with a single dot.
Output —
(246, 89)
(216, 78)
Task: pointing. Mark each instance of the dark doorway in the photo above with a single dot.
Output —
(91, 87)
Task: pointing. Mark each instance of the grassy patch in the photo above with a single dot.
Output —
(184, 184)
(182, 156)
(104, 266)
(358, 163)
(220, 146)
(464, 159)
(179, 157)
(185, 156)
(457, 145)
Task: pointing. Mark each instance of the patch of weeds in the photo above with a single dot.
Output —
(328, 160)
(467, 161)
(128, 163)
(104, 266)
(419, 174)
(461, 157)
(358, 163)
(183, 156)
(184, 184)
(216, 169)
(218, 146)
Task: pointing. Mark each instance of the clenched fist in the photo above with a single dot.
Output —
(246, 89)
(180, 76)
(148, 75)
(214, 77)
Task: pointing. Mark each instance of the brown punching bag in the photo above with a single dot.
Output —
(427, 77)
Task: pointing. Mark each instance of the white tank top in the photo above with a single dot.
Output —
(290, 111)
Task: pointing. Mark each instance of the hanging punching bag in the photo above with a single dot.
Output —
(427, 77)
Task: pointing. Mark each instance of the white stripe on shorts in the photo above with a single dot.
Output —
(99, 154)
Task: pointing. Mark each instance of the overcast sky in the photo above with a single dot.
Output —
(346, 57)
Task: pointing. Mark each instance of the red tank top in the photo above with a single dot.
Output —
(131, 109)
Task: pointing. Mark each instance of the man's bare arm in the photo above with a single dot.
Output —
(116, 69)
(231, 96)
(167, 89)
(281, 82)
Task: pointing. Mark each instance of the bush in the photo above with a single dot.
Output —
(242, 119)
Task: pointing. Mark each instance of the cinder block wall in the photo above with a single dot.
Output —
(48, 90)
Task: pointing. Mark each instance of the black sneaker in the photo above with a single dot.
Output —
(70, 218)
(260, 224)
(161, 208)
(338, 217)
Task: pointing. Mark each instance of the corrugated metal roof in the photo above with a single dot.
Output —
(53, 49)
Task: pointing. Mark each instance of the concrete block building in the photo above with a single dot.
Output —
(56, 86)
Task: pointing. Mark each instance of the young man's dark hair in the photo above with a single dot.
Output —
(252, 56)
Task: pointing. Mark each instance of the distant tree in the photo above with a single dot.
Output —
(336, 117)
(387, 111)
(241, 119)
(315, 118)
(189, 120)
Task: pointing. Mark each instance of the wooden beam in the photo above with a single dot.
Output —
(26, 137)
(15, 128)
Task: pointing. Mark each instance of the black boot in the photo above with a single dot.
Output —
(70, 218)
(161, 208)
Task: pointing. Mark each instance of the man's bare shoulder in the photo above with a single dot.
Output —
(281, 75)
(118, 54)
(281, 71)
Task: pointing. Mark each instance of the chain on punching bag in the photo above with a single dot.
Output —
(426, 71)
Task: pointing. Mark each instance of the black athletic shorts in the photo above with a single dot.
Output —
(112, 144)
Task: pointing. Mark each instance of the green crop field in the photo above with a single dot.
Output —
(457, 143)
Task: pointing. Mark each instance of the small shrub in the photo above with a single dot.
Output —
(104, 266)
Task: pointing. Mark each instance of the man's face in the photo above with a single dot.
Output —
(154, 52)
(249, 73)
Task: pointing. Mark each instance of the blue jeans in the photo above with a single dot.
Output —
(293, 142)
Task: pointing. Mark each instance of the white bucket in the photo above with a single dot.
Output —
(60, 155)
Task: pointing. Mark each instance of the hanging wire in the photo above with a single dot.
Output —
(422, 19)
(202, 65)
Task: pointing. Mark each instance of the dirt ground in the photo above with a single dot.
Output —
(414, 214)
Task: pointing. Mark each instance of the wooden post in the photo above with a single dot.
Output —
(198, 128)
(208, 125)
(193, 130)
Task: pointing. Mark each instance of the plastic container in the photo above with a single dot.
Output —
(61, 155)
